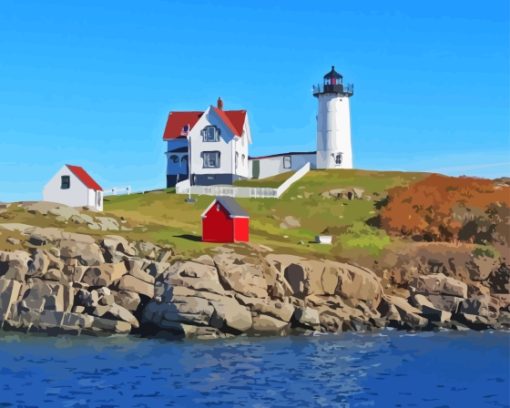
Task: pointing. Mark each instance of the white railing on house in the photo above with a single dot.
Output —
(184, 187)
(117, 191)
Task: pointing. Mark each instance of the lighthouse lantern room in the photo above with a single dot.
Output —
(334, 150)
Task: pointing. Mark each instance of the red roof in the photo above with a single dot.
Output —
(234, 120)
(84, 177)
(176, 122)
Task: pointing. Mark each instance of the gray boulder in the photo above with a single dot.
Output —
(9, 292)
(409, 314)
(100, 324)
(113, 243)
(480, 267)
(131, 284)
(122, 313)
(277, 309)
(243, 278)
(307, 317)
(439, 284)
(183, 309)
(479, 305)
(229, 313)
(105, 274)
(267, 325)
(128, 300)
(14, 265)
(86, 253)
(444, 302)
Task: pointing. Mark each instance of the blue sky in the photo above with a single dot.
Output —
(92, 82)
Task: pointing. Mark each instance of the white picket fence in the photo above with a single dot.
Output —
(117, 191)
(184, 187)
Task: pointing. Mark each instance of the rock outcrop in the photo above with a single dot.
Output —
(74, 283)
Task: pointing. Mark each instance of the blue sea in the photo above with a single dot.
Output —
(385, 369)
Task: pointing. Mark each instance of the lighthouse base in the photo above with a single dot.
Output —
(327, 159)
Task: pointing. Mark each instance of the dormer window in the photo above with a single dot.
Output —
(211, 134)
(65, 182)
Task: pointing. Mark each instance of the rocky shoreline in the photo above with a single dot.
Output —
(72, 283)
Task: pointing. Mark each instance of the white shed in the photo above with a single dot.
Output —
(74, 187)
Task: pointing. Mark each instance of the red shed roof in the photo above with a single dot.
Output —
(230, 205)
(176, 122)
(84, 177)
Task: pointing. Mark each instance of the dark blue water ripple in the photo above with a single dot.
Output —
(388, 369)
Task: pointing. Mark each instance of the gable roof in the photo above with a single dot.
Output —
(84, 177)
(233, 119)
(176, 122)
(231, 205)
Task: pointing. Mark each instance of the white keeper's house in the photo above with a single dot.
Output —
(73, 186)
(217, 141)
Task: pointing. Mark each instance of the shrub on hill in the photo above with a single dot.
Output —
(360, 236)
(442, 208)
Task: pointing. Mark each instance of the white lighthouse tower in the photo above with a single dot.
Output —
(334, 150)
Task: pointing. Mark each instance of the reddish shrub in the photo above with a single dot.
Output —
(442, 208)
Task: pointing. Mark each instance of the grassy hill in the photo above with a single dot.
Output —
(307, 207)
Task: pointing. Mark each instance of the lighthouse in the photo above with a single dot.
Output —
(334, 150)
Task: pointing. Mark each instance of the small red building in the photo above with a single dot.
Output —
(225, 221)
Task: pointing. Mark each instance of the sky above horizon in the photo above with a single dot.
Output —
(92, 82)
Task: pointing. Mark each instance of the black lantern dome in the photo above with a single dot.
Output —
(333, 75)
(333, 83)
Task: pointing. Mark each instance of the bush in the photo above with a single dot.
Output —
(481, 251)
(441, 208)
(361, 236)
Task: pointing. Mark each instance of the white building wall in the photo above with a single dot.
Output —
(78, 195)
(228, 145)
(271, 166)
(333, 131)
(241, 144)
(224, 145)
(95, 200)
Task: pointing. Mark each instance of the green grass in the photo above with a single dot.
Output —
(165, 217)
(271, 182)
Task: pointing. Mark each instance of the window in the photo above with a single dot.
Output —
(237, 160)
(211, 159)
(98, 194)
(174, 158)
(287, 162)
(243, 158)
(65, 182)
(211, 134)
(338, 159)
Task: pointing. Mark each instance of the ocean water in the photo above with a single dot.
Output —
(387, 369)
